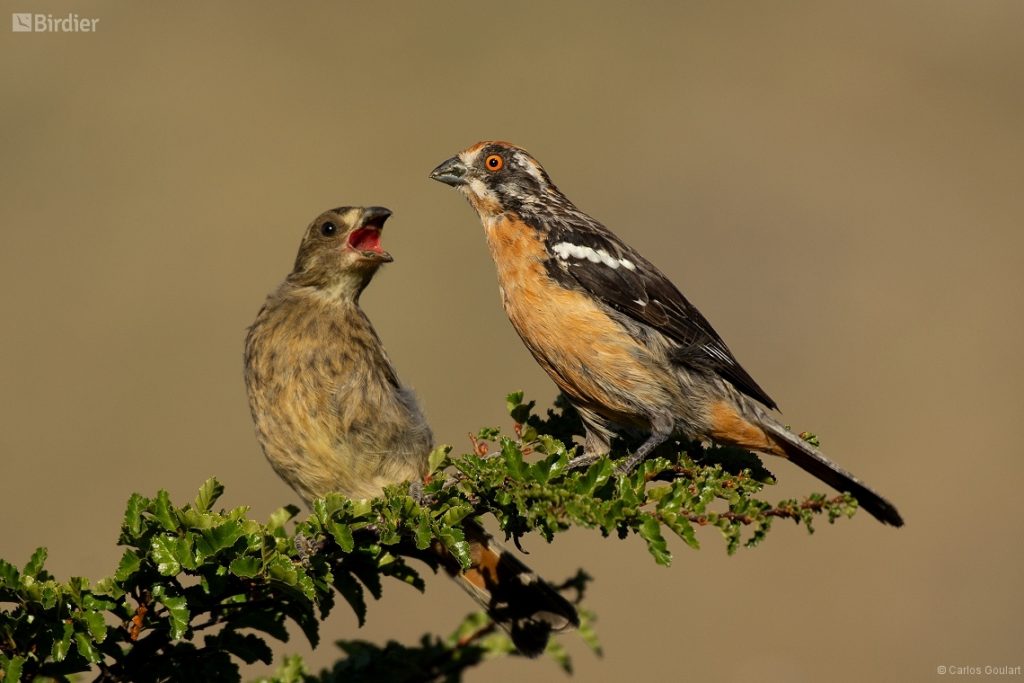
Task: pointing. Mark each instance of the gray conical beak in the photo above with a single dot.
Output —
(451, 172)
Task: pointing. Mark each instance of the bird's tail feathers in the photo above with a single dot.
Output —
(813, 461)
(518, 600)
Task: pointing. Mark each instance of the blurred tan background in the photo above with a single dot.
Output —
(836, 185)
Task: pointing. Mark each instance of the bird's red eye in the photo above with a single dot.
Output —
(494, 163)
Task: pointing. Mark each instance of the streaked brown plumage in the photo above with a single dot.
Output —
(612, 331)
(332, 416)
(329, 409)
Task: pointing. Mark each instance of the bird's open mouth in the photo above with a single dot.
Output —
(366, 238)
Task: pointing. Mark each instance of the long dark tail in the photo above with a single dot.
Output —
(518, 600)
(812, 460)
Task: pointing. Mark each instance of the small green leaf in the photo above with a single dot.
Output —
(35, 563)
(62, 645)
(191, 518)
(177, 608)
(597, 476)
(456, 544)
(133, 515)
(305, 584)
(162, 510)
(437, 456)
(342, 534)
(12, 668)
(209, 492)
(513, 458)
(10, 577)
(108, 586)
(76, 585)
(184, 551)
(539, 471)
(550, 445)
(96, 625)
(49, 594)
(650, 531)
(95, 603)
(455, 514)
(519, 412)
(238, 515)
(162, 548)
(628, 491)
(212, 541)
(423, 534)
(86, 649)
(335, 502)
(128, 565)
(282, 569)
(488, 434)
(682, 528)
(245, 567)
(320, 511)
(361, 508)
(280, 517)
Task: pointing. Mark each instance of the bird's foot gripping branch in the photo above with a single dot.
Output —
(197, 590)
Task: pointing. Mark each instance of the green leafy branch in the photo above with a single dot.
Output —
(197, 590)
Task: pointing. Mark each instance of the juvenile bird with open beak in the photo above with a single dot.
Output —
(330, 412)
(332, 416)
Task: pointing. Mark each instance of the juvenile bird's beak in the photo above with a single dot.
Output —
(375, 215)
(451, 172)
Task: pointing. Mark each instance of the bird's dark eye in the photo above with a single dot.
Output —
(494, 163)
(328, 229)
